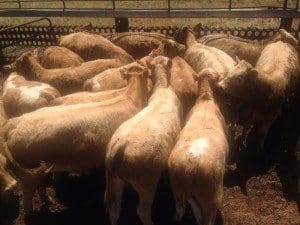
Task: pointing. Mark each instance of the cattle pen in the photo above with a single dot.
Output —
(263, 193)
(31, 34)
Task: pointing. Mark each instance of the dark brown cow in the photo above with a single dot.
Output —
(263, 91)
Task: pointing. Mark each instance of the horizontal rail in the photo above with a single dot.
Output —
(154, 13)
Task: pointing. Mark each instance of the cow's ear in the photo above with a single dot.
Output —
(148, 61)
(253, 73)
(140, 62)
(124, 73)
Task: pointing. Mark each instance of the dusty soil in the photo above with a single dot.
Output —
(253, 194)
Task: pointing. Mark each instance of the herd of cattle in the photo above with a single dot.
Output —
(141, 104)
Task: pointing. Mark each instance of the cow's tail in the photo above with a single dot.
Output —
(21, 173)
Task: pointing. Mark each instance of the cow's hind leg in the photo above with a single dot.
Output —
(45, 199)
(209, 213)
(28, 192)
(146, 194)
(29, 185)
(113, 198)
(263, 129)
(180, 210)
(196, 210)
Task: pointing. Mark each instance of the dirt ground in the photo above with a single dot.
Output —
(254, 193)
(258, 190)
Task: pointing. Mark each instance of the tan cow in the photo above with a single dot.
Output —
(107, 80)
(58, 57)
(183, 82)
(140, 159)
(71, 138)
(263, 91)
(201, 57)
(140, 44)
(197, 162)
(66, 80)
(85, 97)
(94, 46)
(21, 96)
(111, 79)
(51, 58)
(249, 50)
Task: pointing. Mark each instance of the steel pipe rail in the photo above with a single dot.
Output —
(154, 13)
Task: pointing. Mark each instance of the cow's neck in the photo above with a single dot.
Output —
(160, 77)
(190, 39)
(137, 90)
(145, 59)
(34, 67)
(204, 90)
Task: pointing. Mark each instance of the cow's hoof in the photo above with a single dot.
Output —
(45, 208)
(29, 215)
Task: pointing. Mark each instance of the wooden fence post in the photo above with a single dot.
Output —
(286, 23)
(122, 24)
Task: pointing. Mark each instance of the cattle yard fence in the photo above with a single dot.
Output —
(16, 39)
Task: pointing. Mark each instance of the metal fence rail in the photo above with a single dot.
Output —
(16, 8)
(20, 38)
(16, 39)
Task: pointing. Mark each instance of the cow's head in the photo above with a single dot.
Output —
(19, 62)
(238, 78)
(160, 63)
(286, 37)
(9, 68)
(173, 48)
(168, 48)
(182, 34)
(209, 74)
(135, 69)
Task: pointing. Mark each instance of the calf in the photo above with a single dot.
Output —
(58, 57)
(51, 58)
(197, 162)
(85, 97)
(274, 80)
(249, 50)
(106, 80)
(21, 96)
(70, 138)
(111, 79)
(183, 82)
(138, 44)
(94, 46)
(130, 155)
(66, 80)
(200, 57)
